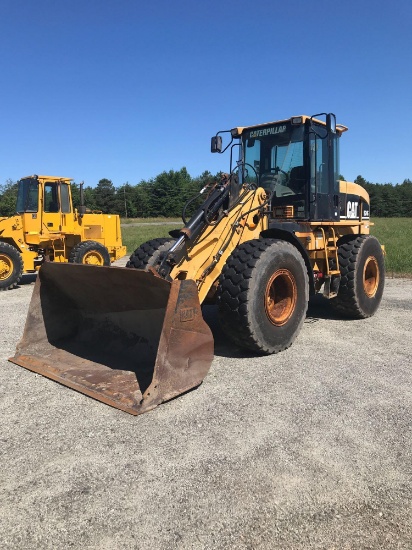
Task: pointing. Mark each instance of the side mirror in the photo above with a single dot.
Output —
(331, 123)
(216, 144)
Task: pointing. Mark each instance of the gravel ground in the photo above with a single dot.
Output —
(310, 448)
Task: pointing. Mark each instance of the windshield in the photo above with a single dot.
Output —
(27, 196)
(273, 158)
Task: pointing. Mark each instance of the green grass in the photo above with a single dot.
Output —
(160, 219)
(134, 236)
(394, 233)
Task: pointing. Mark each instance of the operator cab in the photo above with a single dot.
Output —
(45, 205)
(54, 194)
(297, 161)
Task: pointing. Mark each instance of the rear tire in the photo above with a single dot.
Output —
(149, 253)
(11, 266)
(263, 295)
(362, 268)
(89, 253)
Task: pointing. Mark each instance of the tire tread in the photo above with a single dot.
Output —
(15, 255)
(141, 257)
(77, 252)
(233, 295)
(347, 301)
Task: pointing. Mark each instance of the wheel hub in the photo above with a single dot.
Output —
(371, 276)
(93, 258)
(6, 267)
(280, 297)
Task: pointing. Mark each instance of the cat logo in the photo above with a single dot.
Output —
(352, 209)
(187, 314)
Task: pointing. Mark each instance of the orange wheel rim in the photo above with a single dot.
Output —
(371, 276)
(280, 297)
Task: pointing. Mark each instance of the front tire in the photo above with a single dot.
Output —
(362, 267)
(11, 266)
(263, 295)
(150, 253)
(89, 253)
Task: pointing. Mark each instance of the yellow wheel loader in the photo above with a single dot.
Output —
(46, 227)
(275, 230)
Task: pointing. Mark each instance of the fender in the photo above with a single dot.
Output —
(276, 231)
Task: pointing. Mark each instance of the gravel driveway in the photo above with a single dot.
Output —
(310, 448)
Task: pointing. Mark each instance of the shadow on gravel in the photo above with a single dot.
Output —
(27, 279)
(223, 346)
(319, 309)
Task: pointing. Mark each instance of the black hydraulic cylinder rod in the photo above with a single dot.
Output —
(204, 215)
(200, 219)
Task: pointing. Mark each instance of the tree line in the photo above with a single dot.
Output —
(387, 200)
(168, 192)
(164, 195)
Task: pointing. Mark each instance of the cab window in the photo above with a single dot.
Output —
(27, 196)
(51, 198)
(65, 199)
(319, 164)
(276, 154)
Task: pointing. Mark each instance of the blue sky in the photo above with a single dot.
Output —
(125, 89)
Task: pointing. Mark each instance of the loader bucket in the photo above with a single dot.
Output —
(123, 336)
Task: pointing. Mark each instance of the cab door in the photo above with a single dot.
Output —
(28, 200)
(67, 223)
(52, 218)
(324, 191)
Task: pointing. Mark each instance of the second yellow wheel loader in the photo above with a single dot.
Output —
(276, 229)
(46, 227)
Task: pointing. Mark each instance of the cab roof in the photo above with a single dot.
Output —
(340, 128)
(48, 178)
